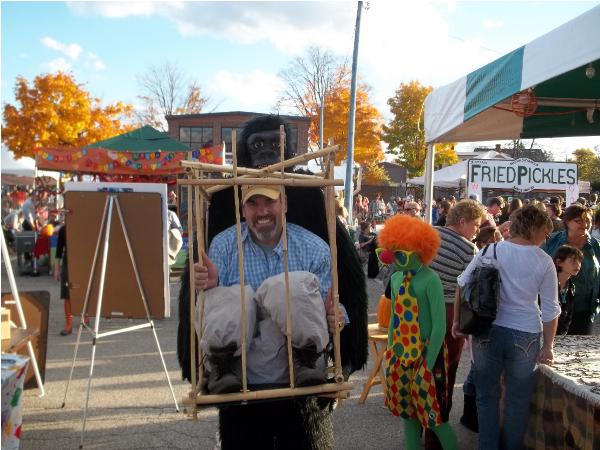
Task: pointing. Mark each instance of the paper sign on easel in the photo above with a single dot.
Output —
(572, 194)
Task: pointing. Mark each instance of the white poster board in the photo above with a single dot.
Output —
(520, 175)
(572, 194)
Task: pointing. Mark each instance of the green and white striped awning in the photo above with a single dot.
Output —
(560, 70)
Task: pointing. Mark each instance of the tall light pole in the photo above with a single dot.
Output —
(350, 157)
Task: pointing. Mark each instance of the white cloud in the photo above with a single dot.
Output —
(399, 41)
(254, 91)
(92, 61)
(289, 26)
(71, 50)
(115, 10)
(58, 64)
(490, 24)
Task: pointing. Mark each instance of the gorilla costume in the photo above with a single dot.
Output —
(311, 426)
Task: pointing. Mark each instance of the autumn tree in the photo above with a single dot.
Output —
(57, 111)
(308, 82)
(367, 127)
(405, 133)
(445, 155)
(375, 174)
(166, 91)
(588, 164)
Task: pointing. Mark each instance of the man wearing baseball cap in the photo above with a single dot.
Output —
(309, 259)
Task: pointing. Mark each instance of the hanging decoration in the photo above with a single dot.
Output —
(99, 160)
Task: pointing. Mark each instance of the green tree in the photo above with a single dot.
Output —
(56, 111)
(405, 134)
(588, 165)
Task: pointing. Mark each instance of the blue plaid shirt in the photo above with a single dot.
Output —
(306, 251)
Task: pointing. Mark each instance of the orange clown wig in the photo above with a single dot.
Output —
(401, 232)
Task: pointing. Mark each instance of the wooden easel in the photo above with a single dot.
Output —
(112, 201)
(273, 175)
(22, 321)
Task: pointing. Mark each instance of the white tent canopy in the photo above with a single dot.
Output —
(547, 88)
(451, 176)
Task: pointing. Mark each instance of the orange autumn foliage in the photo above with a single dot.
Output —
(368, 122)
(56, 111)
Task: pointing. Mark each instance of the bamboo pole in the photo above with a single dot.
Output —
(201, 249)
(193, 165)
(262, 181)
(269, 394)
(287, 163)
(305, 157)
(212, 189)
(288, 302)
(194, 389)
(240, 247)
(331, 226)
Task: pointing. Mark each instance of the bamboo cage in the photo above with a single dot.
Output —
(200, 187)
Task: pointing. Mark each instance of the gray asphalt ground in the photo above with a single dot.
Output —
(130, 405)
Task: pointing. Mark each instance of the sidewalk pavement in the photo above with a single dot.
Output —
(130, 404)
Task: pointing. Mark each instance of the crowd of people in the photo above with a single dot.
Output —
(23, 209)
(548, 257)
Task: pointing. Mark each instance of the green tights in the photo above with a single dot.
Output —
(412, 435)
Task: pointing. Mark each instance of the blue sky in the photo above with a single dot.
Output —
(236, 49)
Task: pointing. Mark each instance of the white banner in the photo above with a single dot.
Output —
(521, 175)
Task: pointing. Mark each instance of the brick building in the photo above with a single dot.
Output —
(204, 130)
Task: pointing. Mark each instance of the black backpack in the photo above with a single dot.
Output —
(479, 298)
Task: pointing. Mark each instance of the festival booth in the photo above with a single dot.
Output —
(143, 153)
(547, 88)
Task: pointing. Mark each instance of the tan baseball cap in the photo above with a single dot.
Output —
(271, 192)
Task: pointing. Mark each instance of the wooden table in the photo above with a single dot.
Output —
(18, 339)
(378, 338)
(565, 405)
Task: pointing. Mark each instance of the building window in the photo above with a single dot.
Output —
(196, 137)
(226, 137)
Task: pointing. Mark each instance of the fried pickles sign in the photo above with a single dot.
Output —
(522, 175)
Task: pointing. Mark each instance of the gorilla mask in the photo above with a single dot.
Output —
(259, 142)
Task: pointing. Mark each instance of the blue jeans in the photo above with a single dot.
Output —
(469, 384)
(514, 353)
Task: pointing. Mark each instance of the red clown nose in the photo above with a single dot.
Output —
(386, 257)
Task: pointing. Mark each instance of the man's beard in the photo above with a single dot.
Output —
(265, 234)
